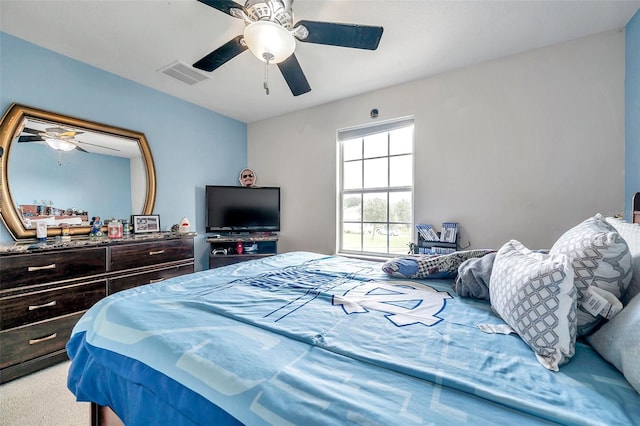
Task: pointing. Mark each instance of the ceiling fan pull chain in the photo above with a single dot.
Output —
(267, 56)
(266, 78)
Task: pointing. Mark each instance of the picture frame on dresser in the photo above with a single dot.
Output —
(145, 223)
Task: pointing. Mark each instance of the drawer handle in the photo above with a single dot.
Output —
(40, 268)
(156, 281)
(43, 339)
(44, 305)
(151, 253)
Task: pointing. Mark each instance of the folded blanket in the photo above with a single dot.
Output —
(430, 266)
(473, 277)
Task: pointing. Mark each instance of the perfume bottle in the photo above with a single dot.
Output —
(114, 229)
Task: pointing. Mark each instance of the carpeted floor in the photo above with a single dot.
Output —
(42, 399)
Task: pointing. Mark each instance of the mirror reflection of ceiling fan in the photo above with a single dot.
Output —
(57, 138)
(271, 36)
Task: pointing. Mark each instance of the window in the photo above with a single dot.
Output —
(376, 189)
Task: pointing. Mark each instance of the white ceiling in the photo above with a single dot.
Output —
(137, 38)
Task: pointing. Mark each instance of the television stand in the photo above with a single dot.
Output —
(224, 248)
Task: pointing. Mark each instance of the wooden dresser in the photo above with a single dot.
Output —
(45, 290)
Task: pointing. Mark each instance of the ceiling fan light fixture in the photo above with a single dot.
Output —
(269, 41)
(59, 145)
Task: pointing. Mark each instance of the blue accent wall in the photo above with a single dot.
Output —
(191, 146)
(632, 111)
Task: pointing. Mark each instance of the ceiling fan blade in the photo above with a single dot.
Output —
(222, 5)
(32, 131)
(93, 144)
(293, 75)
(345, 35)
(56, 130)
(221, 55)
(30, 139)
(79, 148)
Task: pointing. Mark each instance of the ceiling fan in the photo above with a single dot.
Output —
(57, 138)
(271, 36)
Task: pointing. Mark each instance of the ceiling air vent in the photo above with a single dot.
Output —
(184, 73)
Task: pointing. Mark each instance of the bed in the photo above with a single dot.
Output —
(305, 338)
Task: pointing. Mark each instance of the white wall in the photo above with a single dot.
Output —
(523, 147)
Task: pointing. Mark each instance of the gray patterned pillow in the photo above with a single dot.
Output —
(630, 232)
(535, 295)
(600, 258)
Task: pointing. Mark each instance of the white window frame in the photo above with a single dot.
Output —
(361, 132)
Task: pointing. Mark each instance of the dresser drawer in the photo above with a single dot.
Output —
(136, 280)
(36, 268)
(41, 305)
(148, 254)
(31, 341)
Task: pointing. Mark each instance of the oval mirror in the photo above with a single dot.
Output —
(66, 171)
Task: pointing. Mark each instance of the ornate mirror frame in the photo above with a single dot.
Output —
(11, 127)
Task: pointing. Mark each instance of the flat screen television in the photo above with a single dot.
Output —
(239, 209)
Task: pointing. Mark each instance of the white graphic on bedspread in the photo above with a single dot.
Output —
(397, 399)
(215, 375)
(407, 302)
(454, 413)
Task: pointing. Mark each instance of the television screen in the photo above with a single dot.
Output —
(242, 209)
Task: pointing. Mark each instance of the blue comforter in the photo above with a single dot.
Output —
(302, 338)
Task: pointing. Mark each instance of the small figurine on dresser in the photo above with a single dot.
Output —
(96, 227)
(66, 233)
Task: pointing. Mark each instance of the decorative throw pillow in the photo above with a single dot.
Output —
(631, 234)
(430, 266)
(618, 341)
(535, 295)
(600, 258)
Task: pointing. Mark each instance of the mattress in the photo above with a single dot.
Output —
(304, 338)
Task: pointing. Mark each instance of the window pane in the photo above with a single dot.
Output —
(352, 149)
(399, 237)
(376, 145)
(352, 178)
(376, 173)
(375, 240)
(352, 237)
(400, 207)
(401, 170)
(401, 140)
(351, 208)
(352, 228)
(375, 207)
(393, 237)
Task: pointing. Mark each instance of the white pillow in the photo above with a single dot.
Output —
(631, 234)
(600, 258)
(534, 293)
